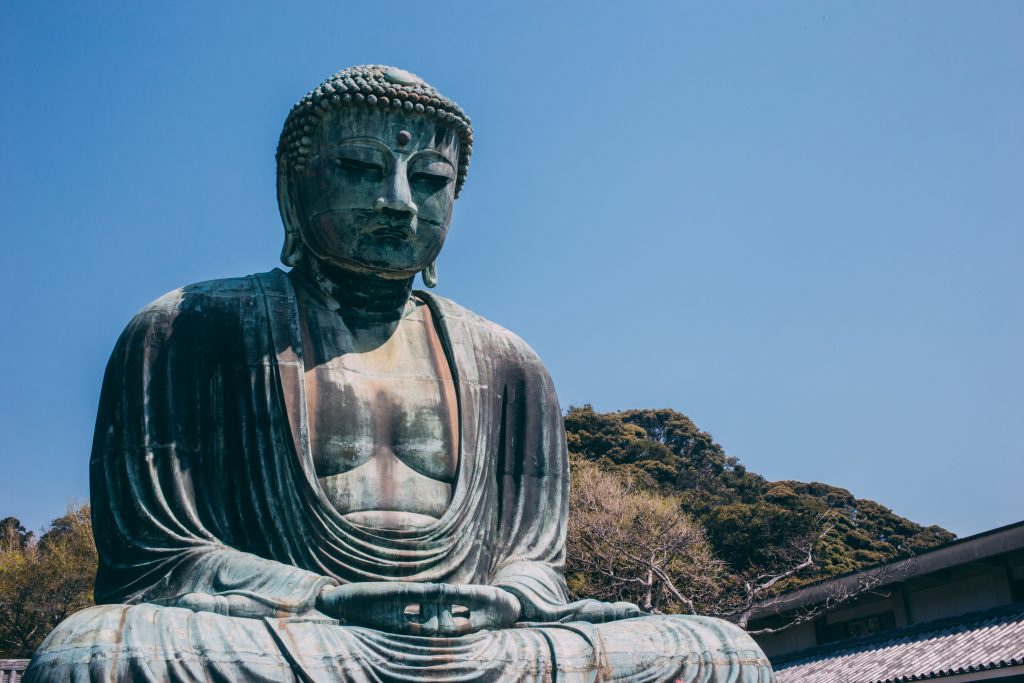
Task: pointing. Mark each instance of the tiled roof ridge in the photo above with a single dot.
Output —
(963, 622)
(794, 598)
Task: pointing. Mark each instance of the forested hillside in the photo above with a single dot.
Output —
(758, 529)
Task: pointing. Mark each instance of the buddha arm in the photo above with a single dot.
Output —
(533, 475)
(175, 504)
(238, 584)
(533, 478)
(539, 587)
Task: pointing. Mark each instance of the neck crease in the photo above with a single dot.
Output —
(365, 296)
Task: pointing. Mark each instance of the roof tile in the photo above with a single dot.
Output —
(979, 641)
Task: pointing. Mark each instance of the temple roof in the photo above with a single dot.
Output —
(972, 548)
(981, 641)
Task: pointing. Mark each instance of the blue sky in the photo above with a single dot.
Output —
(800, 223)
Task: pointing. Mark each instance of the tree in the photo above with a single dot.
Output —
(777, 565)
(13, 534)
(748, 520)
(759, 595)
(42, 583)
(628, 544)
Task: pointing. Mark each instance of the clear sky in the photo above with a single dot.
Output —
(800, 223)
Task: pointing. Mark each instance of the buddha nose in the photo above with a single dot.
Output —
(396, 196)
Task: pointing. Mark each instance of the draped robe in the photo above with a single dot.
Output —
(202, 482)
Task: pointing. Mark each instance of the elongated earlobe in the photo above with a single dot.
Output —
(291, 253)
(429, 275)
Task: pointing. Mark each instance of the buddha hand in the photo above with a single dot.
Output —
(420, 609)
(596, 612)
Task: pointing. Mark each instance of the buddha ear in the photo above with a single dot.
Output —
(429, 275)
(291, 252)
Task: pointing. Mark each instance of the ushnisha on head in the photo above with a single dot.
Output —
(368, 166)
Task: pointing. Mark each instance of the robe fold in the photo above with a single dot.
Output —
(202, 482)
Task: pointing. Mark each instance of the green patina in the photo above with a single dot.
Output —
(325, 475)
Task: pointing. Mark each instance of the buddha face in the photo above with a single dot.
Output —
(377, 191)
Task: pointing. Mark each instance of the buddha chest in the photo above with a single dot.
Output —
(383, 416)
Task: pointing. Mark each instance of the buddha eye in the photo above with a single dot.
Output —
(428, 183)
(359, 168)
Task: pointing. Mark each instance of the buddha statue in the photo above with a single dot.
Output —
(324, 475)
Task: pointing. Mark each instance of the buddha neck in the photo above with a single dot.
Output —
(361, 296)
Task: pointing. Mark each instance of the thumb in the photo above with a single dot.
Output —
(204, 602)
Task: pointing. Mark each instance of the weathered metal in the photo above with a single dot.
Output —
(323, 475)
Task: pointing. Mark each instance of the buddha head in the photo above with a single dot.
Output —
(368, 168)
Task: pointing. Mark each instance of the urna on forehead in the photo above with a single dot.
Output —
(372, 88)
(401, 131)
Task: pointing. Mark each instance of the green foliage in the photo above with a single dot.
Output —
(43, 582)
(753, 525)
(13, 534)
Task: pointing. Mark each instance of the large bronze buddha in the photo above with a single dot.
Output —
(322, 475)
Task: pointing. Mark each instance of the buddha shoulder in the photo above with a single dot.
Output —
(203, 313)
(211, 296)
(494, 343)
